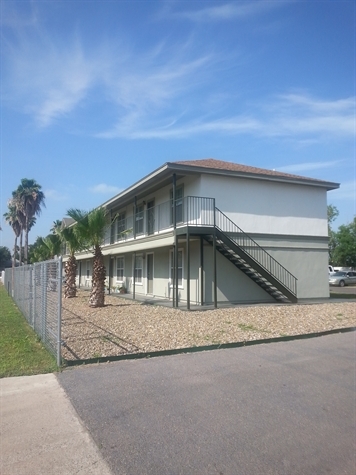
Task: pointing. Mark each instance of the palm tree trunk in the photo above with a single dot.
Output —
(26, 243)
(97, 294)
(70, 288)
(21, 249)
(14, 256)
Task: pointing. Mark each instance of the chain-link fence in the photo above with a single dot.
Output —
(37, 291)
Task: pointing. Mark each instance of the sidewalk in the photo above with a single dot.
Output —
(41, 433)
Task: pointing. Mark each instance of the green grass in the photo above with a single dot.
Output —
(21, 352)
(335, 295)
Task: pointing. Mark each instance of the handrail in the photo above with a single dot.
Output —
(255, 251)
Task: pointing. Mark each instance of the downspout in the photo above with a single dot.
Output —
(175, 250)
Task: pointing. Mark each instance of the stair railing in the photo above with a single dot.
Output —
(255, 251)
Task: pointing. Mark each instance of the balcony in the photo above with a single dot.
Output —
(191, 210)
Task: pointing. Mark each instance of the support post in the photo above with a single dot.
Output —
(176, 270)
(215, 271)
(188, 269)
(134, 223)
(201, 271)
(59, 342)
(134, 278)
(175, 249)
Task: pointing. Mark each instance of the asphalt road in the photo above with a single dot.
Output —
(348, 289)
(281, 408)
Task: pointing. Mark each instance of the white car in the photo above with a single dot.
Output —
(342, 278)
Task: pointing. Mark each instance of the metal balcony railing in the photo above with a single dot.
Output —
(191, 210)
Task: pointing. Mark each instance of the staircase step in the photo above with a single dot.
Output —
(247, 269)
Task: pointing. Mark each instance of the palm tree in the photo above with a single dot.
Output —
(11, 218)
(16, 203)
(56, 226)
(73, 244)
(30, 200)
(90, 229)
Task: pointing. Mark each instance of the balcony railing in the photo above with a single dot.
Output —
(191, 210)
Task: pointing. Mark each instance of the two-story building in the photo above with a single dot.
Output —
(208, 231)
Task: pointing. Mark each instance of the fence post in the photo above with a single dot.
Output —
(59, 342)
(30, 293)
(44, 298)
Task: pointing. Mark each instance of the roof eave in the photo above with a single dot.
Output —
(260, 176)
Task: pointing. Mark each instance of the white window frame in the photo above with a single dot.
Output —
(171, 254)
(120, 226)
(87, 269)
(179, 202)
(138, 257)
(139, 219)
(87, 275)
(120, 258)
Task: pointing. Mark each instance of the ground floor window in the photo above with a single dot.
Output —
(138, 270)
(87, 269)
(180, 267)
(120, 269)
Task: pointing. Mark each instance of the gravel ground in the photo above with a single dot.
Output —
(124, 326)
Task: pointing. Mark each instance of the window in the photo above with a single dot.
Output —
(179, 205)
(87, 269)
(120, 269)
(180, 267)
(121, 226)
(139, 220)
(138, 270)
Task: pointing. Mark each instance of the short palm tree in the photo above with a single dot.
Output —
(30, 200)
(73, 244)
(90, 229)
(45, 248)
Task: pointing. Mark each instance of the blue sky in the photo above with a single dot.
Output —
(97, 94)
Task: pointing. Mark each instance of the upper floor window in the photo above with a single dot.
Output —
(139, 220)
(121, 225)
(179, 205)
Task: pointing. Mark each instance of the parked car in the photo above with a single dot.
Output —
(342, 278)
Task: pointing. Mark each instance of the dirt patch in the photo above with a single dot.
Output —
(124, 326)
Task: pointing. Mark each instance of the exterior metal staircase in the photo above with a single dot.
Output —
(253, 260)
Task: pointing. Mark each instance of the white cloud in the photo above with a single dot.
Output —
(103, 188)
(300, 117)
(229, 11)
(302, 167)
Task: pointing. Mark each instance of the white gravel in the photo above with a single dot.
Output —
(124, 326)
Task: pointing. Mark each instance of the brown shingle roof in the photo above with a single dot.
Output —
(236, 167)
